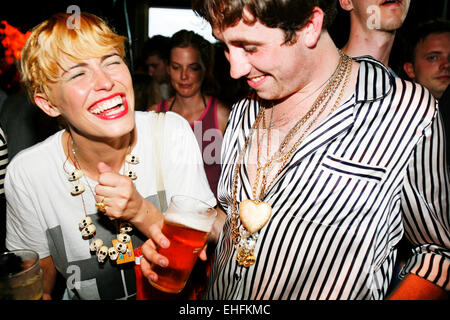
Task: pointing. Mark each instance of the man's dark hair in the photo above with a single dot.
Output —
(421, 32)
(288, 15)
(157, 45)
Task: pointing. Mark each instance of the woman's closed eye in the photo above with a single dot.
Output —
(75, 75)
(196, 67)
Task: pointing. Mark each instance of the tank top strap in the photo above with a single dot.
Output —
(163, 106)
(209, 119)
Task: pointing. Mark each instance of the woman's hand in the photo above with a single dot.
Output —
(118, 193)
(123, 201)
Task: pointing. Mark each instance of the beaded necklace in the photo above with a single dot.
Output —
(121, 250)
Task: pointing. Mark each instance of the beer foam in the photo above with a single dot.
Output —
(198, 221)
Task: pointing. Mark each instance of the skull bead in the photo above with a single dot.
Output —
(77, 189)
(123, 237)
(102, 254)
(113, 254)
(125, 227)
(132, 159)
(131, 174)
(96, 244)
(84, 222)
(88, 231)
(121, 247)
(75, 175)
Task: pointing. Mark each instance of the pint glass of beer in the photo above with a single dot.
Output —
(20, 275)
(187, 223)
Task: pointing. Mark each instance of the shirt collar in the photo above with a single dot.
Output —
(375, 81)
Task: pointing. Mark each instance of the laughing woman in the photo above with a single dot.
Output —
(87, 195)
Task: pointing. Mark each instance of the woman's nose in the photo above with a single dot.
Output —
(103, 80)
(184, 74)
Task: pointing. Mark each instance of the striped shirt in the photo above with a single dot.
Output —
(3, 160)
(371, 173)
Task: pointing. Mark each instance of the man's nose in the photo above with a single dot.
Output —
(239, 64)
(446, 64)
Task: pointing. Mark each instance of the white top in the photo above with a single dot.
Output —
(42, 215)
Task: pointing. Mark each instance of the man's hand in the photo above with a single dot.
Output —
(150, 254)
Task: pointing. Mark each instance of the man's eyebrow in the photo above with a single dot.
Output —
(240, 42)
(435, 52)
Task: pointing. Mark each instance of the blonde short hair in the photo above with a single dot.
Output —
(41, 57)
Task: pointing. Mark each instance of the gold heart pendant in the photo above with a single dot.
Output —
(254, 214)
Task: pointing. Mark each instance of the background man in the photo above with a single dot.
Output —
(373, 24)
(428, 59)
(156, 58)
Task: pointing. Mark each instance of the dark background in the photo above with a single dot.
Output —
(26, 14)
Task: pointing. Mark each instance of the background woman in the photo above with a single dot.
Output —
(103, 161)
(190, 69)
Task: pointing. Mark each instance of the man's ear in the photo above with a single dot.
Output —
(43, 102)
(347, 5)
(311, 32)
(409, 69)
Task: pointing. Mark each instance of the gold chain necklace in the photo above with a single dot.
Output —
(259, 167)
(284, 157)
(254, 214)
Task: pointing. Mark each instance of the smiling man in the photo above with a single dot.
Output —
(373, 24)
(325, 166)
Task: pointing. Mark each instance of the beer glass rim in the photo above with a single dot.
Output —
(179, 196)
(18, 274)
